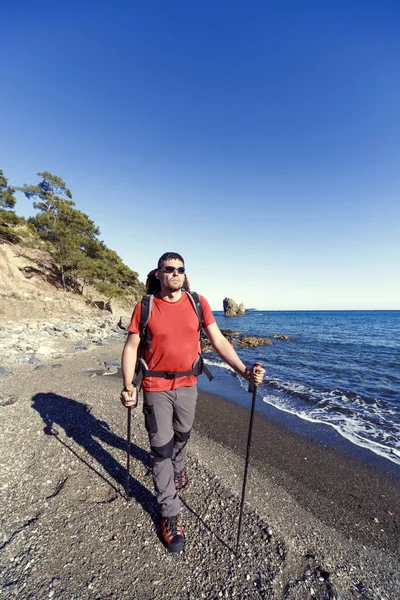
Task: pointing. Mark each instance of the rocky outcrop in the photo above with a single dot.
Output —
(231, 309)
(247, 341)
(235, 338)
(29, 290)
(34, 342)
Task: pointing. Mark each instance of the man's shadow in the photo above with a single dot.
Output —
(86, 431)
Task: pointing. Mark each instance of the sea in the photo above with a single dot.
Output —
(339, 369)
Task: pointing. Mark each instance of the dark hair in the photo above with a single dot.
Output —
(168, 256)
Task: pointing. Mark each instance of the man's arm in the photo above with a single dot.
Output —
(228, 354)
(128, 364)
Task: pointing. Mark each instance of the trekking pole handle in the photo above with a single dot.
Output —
(253, 384)
(130, 393)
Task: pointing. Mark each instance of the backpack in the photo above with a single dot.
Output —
(153, 287)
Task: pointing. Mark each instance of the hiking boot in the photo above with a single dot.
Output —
(172, 533)
(181, 480)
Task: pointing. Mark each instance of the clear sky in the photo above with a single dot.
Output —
(259, 139)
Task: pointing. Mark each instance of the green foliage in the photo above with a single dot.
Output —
(81, 258)
(7, 216)
(7, 192)
(47, 193)
(15, 229)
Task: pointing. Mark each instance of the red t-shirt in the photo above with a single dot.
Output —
(174, 340)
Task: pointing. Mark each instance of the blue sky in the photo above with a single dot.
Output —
(261, 140)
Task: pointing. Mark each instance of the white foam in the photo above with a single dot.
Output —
(351, 428)
(369, 424)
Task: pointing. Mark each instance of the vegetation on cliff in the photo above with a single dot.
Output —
(78, 256)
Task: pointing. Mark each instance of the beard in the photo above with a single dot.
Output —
(174, 284)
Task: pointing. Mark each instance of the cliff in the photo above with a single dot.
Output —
(29, 288)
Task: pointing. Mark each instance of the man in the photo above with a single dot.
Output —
(169, 403)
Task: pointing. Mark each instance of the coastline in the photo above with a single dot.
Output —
(314, 520)
(227, 387)
(333, 487)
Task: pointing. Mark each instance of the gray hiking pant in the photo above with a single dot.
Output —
(169, 419)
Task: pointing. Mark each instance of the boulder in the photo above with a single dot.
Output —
(231, 309)
(251, 342)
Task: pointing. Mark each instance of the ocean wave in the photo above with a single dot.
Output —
(214, 362)
(351, 428)
(366, 422)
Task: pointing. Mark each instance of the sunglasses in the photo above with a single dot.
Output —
(171, 269)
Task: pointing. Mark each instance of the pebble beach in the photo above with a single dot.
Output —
(317, 524)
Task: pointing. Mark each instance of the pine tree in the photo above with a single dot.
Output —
(66, 228)
(7, 192)
(81, 258)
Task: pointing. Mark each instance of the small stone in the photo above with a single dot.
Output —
(7, 400)
(82, 345)
(5, 371)
(111, 371)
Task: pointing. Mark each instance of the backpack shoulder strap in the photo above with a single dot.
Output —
(141, 367)
(147, 305)
(195, 300)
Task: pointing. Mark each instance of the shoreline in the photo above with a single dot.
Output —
(228, 388)
(313, 518)
(321, 479)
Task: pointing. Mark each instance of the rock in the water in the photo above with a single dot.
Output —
(231, 309)
(249, 341)
(231, 336)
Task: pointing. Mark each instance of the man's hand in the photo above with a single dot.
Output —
(256, 373)
(128, 396)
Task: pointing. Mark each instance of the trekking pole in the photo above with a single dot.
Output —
(128, 454)
(252, 388)
(128, 441)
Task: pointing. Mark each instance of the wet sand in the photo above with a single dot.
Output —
(360, 501)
